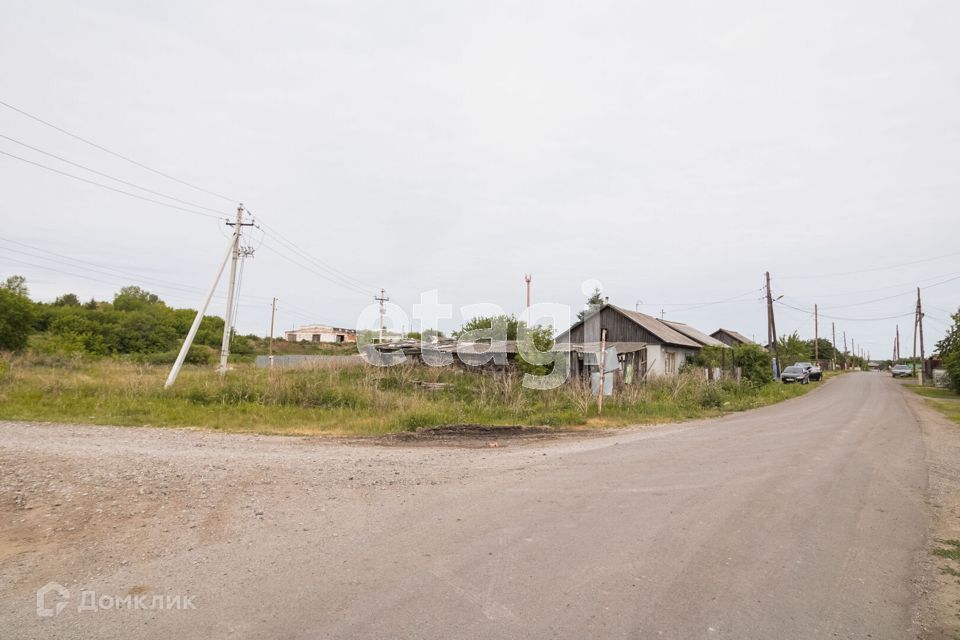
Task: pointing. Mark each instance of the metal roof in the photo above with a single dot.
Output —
(694, 334)
(733, 334)
(657, 327)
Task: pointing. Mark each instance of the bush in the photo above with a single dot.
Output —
(16, 320)
(755, 363)
(952, 364)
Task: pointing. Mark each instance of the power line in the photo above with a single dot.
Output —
(351, 288)
(307, 256)
(823, 315)
(118, 275)
(115, 154)
(114, 189)
(893, 266)
(106, 175)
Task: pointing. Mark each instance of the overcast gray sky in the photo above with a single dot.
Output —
(672, 151)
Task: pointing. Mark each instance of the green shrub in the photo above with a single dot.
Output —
(951, 363)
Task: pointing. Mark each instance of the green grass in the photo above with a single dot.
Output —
(345, 399)
(943, 400)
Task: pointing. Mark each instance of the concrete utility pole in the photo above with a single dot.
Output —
(603, 366)
(833, 345)
(231, 289)
(382, 298)
(920, 322)
(528, 278)
(273, 316)
(844, 350)
(772, 328)
(896, 351)
(188, 341)
(816, 334)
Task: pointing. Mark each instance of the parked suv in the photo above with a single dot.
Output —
(902, 371)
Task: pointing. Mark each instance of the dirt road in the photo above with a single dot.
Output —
(808, 519)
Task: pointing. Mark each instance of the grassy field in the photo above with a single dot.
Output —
(943, 400)
(344, 399)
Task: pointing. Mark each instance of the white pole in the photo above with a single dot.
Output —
(196, 321)
(228, 316)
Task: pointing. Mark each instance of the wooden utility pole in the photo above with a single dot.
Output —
(816, 335)
(273, 316)
(772, 328)
(920, 322)
(896, 351)
(603, 366)
(916, 321)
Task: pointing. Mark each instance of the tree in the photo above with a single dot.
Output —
(951, 342)
(949, 349)
(16, 285)
(792, 349)
(16, 319)
(67, 300)
(133, 298)
(595, 301)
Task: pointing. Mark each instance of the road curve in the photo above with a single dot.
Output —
(805, 519)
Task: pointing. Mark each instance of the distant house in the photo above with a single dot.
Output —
(730, 337)
(320, 333)
(647, 345)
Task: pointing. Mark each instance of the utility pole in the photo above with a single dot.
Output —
(916, 324)
(844, 350)
(603, 366)
(528, 278)
(188, 341)
(382, 298)
(816, 335)
(896, 350)
(231, 290)
(273, 316)
(772, 329)
(920, 322)
(833, 345)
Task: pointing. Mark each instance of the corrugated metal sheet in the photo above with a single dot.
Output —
(694, 334)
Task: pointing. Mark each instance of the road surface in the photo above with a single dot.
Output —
(806, 519)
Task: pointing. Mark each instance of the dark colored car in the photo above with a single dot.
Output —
(901, 371)
(795, 374)
(813, 370)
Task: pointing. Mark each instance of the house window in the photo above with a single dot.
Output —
(341, 337)
(670, 362)
(315, 337)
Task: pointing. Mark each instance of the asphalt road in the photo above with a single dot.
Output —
(802, 520)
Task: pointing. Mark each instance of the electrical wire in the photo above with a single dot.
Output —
(324, 276)
(110, 177)
(893, 266)
(829, 317)
(108, 187)
(114, 153)
(333, 271)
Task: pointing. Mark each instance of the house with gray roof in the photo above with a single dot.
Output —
(645, 345)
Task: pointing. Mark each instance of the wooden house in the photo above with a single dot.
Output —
(645, 345)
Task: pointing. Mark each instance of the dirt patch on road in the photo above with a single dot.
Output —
(483, 435)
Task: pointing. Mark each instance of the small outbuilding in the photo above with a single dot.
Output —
(730, 337)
